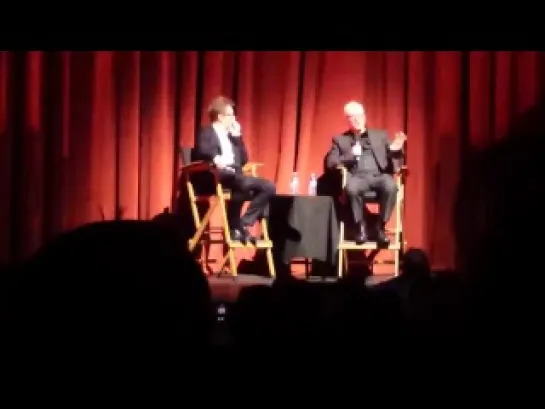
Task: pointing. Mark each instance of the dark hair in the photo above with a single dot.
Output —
(218, 105)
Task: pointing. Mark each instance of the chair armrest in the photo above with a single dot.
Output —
(344, 175)
(403, 171)
(251, 168)
(199, 166)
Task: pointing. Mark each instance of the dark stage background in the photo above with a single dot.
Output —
(85, 133)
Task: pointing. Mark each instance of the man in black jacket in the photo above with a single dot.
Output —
(370, 159)
(221, 143)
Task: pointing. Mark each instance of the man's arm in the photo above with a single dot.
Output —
(336, 158)
(239, 143)
(394, 152)
(395, 157)
(235, 135)
(206, 147)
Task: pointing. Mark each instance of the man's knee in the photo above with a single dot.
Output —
(389, 186)
(352, 190)
(269, 188)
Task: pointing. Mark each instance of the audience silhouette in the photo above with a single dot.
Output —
(110, 290)
(119, 289)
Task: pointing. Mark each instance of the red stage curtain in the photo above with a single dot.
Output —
(85, 133)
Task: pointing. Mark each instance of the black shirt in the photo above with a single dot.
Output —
(366, 163)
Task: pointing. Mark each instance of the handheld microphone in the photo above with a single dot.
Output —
(357, 142)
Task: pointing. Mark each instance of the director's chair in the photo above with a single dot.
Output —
(202, 182)
(395, 234)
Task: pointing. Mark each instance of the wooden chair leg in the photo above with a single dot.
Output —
(340, 259)
(399, 226)
(396, 262)
(232, 262)
(268, 251)
(202, 225)
(230, 256)
(224, 262)
(270, 262)
(340, 251)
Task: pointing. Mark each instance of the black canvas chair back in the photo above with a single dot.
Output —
(203, 183)
(186, 155)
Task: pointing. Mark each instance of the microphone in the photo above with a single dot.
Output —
(357, 142)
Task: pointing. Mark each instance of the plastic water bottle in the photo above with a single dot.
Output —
(294, 184)
(312, 185)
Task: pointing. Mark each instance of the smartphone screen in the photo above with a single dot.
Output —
(222, 335)
(221, 312)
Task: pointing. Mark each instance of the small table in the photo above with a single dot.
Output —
(303, 226)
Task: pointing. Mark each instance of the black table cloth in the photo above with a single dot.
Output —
(304, 226)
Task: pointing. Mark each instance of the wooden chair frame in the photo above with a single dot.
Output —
(220, 198)
(397, 245)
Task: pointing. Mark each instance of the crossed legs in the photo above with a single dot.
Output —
(243, 188)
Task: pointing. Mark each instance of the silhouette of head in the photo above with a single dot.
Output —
(114, 285)
(416, 263)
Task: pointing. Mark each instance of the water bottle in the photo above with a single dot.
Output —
(294, 184)
(312, 185)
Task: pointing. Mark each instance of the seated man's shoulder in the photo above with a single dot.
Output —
(341, 137)
(205, 129)
(377, 131)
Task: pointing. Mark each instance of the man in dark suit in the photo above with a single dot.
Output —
(221, 143)
(370, 160)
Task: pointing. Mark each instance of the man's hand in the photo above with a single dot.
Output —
(220, 163)
(398, 142)
(235, 128)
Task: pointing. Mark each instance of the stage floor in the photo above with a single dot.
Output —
(226, 288)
